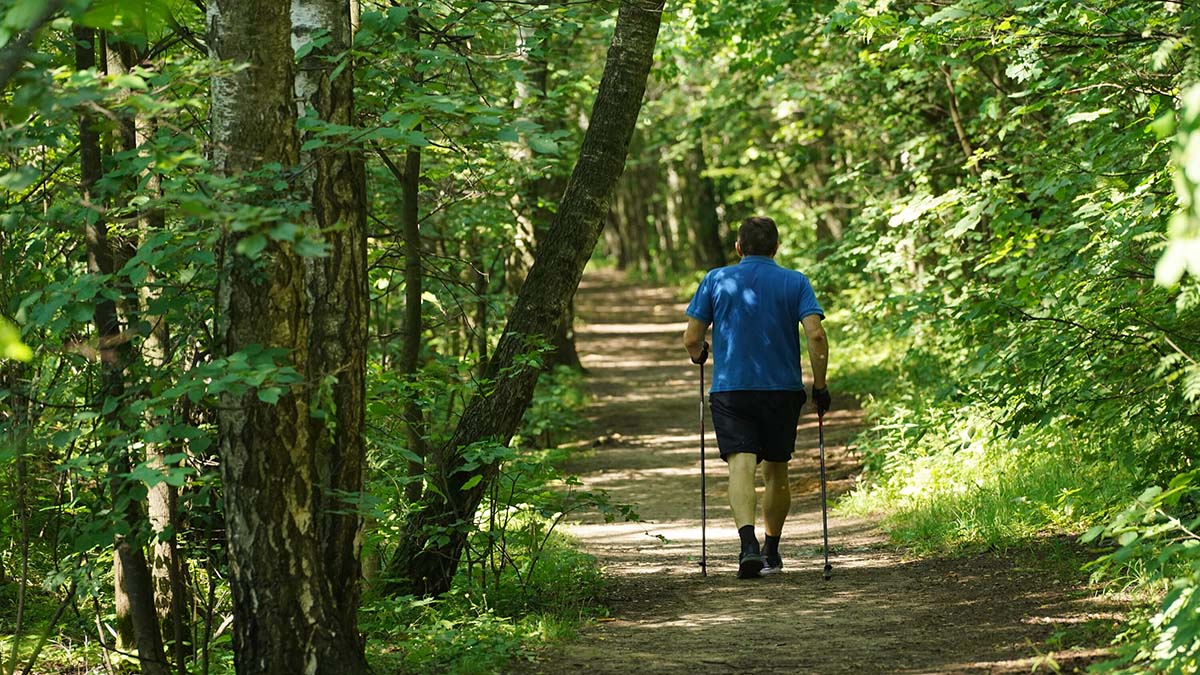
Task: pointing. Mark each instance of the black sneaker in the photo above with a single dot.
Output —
(772, 564)
(750, 563)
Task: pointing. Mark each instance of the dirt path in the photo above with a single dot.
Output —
(881, 612)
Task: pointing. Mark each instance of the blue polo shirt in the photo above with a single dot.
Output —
(755, 308)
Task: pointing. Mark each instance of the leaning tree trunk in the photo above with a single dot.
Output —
(427, 560)
(293, 540)
(535, 215)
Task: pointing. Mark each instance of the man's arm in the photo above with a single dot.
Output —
(818, 348)
(693, 336)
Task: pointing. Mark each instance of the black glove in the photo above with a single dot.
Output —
(822, 399)
(699, 360)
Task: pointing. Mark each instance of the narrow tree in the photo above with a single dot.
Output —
(429, 554)
(137, 624)
(286, 466)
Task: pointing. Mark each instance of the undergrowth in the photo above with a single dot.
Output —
(474, 630)
(522, 583)
(951, 474)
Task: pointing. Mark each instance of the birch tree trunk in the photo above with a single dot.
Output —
(430, 553)
(171, 597)
(288, 467)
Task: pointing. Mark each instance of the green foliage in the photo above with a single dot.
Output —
(555, 410)
(522, 586)
(1159, 532)
(11, 346)
(1183, 249)
(980, 191)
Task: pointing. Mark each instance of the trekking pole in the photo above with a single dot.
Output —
(824, 518)
(703, 501)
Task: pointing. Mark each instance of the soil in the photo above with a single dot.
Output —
(882, 612)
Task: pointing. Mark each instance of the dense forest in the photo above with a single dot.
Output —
(286, 323)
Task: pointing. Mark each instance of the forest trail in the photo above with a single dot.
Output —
(880, 613)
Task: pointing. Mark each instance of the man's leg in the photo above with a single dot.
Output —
(777, 497)
(741, 488)
(742, 503)
(777, 500)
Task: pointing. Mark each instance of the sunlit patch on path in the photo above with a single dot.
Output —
(881, 612)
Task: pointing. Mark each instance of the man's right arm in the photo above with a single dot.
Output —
(693, 338)
(818, 348)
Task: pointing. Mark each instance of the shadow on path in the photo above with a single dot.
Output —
(881, 612)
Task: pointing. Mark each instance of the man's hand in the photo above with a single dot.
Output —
(822, 399)
(699, 360)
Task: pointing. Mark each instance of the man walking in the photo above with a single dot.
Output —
(754, 308)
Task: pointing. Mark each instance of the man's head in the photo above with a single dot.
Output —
(758, 235)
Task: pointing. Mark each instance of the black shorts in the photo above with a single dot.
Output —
(758, 422)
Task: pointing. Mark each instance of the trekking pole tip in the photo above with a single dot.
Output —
(828, 571)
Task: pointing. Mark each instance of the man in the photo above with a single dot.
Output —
(757, 391)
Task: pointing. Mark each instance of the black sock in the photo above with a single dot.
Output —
(749, 540)
(771, 547)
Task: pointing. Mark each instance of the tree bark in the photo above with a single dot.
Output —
(291, 469)
(709, 250)
(959, 130)
(166, 569)
(337, 283)
(436, 535)
(133, 594)
(414, 424)
(542, 189)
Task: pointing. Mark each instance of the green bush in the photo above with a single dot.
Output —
(1157, 534)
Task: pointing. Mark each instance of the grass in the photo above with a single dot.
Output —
(474, 630)
(991, 495)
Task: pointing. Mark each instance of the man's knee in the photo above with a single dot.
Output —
(741, 459)
(775, 474)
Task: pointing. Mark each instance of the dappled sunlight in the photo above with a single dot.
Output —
(675, 328)
(927, 615)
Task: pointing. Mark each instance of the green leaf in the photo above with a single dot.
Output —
(1149, 494)
(543, 145)
(1092, 116)
(24, 14)
(11, 346)
(18, 179)
(1164, 126)
(472, 482)
(312, 144)
(252, 245)
(130, 81)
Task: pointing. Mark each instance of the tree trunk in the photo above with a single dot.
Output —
(410, 357)
(337, 283)
(709, 250)
(134, 598)
(288, 467)
(410, 181)
(166, 569)
(436, 534)
(542, 189)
